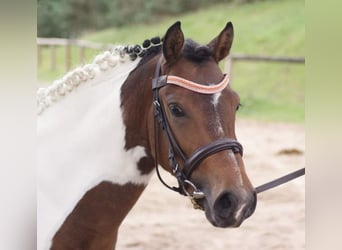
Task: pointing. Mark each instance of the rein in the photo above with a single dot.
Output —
(190, 163)
(279, 181)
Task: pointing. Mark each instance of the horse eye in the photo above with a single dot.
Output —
(176, 110)
(238, 106)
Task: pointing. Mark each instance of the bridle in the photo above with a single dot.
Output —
(191, 163)
(183, 174)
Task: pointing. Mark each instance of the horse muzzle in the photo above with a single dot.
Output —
(230, 208)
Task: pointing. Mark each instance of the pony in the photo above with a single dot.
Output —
(105, 128)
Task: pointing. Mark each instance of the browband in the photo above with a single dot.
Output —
(193, 86)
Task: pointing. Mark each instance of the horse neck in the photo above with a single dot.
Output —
(82, 142)
(136, 104)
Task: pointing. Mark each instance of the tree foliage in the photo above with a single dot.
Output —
(69, 18)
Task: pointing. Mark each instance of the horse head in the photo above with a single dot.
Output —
(199, 108)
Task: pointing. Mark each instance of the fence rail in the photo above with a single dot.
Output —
(240, 57)
(52, 43)
(67, 43)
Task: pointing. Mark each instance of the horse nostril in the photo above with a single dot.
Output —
(225, 205)
(225, 202)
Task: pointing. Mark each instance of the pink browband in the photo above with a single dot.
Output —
(203, 89)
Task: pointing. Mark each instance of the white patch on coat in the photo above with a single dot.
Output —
(217, 123)
(80, 144)
(238, 213)
(215, 99)
(243, 197)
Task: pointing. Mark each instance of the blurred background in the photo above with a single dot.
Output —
(266, 68)
(266, 65)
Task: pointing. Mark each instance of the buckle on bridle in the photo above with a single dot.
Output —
(156, 106)
(195, 195)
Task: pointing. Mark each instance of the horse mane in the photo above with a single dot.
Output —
(114, 57)
(46, 96)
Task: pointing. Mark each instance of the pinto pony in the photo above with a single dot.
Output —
(104, 127)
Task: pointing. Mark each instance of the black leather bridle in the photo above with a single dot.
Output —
(183, 173)
(190, 163)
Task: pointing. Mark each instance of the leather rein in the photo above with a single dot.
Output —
(190, 163)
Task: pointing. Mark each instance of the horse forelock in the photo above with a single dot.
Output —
(46, 96)
(192, 51)
(196, 52)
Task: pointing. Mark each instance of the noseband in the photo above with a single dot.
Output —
(183, 173)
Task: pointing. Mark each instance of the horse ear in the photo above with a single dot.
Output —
(222, 43)
(173, 42)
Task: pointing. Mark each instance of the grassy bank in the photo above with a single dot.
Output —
(269, 91)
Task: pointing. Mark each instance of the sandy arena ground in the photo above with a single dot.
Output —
(162, 219)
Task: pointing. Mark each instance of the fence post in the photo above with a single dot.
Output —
(53, 57)
(68, 56)
(228, 66)
(82, 54)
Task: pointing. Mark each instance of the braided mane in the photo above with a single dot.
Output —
(114, 57)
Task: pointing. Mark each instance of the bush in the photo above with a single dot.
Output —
(69, 18)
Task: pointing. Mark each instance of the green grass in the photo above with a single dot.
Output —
(268, 91)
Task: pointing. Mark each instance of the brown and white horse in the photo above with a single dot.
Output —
(104, 126)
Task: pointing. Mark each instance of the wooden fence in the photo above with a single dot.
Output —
(260, 58)
(52, 43)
